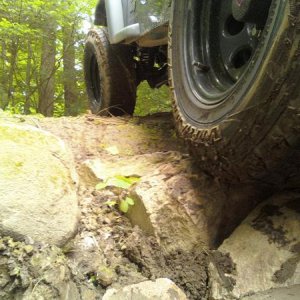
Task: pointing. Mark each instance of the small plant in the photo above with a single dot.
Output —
(118, 181)
(121, 185)
(124, 204)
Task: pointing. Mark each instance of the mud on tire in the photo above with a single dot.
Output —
(109, 75)
(254, 126)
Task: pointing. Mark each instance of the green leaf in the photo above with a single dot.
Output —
(130, 180)
(118, 183)
(101, 186)
(130, 201)
(123, 206)
(124, 182)
(111, 203)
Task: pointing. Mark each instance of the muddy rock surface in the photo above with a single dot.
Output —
(108, 240)
(162, 288)
(262, 254)
(285, 293)
(107, 250)
(114, 247)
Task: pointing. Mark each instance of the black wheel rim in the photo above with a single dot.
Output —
(95, 79)
(218, 49)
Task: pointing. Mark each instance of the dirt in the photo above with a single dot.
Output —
(224, 262)
(294, 205)
(188, 270)
(107, 251)
(285, 293)
(127, 252)
(288, 268)
(90, 136)
(264, 224)
(225, 267)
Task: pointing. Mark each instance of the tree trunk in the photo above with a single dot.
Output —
(13, 63)
(28, 79)
(69, 75)
(47, 71)
(3, 79)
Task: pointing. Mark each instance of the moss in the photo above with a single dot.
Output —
(10, 166)
(24, 136)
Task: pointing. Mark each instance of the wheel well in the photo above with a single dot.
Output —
(100, 14)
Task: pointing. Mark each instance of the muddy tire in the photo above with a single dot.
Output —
(236, 86)
(109, 75)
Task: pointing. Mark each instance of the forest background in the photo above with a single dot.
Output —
(41, 55)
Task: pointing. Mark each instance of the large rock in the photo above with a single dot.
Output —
(286, 293)
(38, 186)
(162, 288)
(93, 171)
(262, 254)
(184, 209)
(159, 213)
(171, 190)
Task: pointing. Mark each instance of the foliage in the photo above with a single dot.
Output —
(121, 184)
(125, 204)
(27, 25)
(150, 101)
(118, 181)
(41, 51)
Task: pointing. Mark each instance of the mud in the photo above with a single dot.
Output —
(294, 205)
(107, 251)
(288, 268)
(124, 254)
(264, 224)
(187, 270)
(224, 262)
(128, 252)
(224, 265)
(33, 270)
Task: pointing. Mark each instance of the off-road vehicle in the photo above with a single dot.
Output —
(232, 67)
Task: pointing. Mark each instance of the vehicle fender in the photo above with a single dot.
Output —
(118, 31)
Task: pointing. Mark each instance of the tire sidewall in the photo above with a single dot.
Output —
(261, 85)
(93, 48)
(116, 70)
